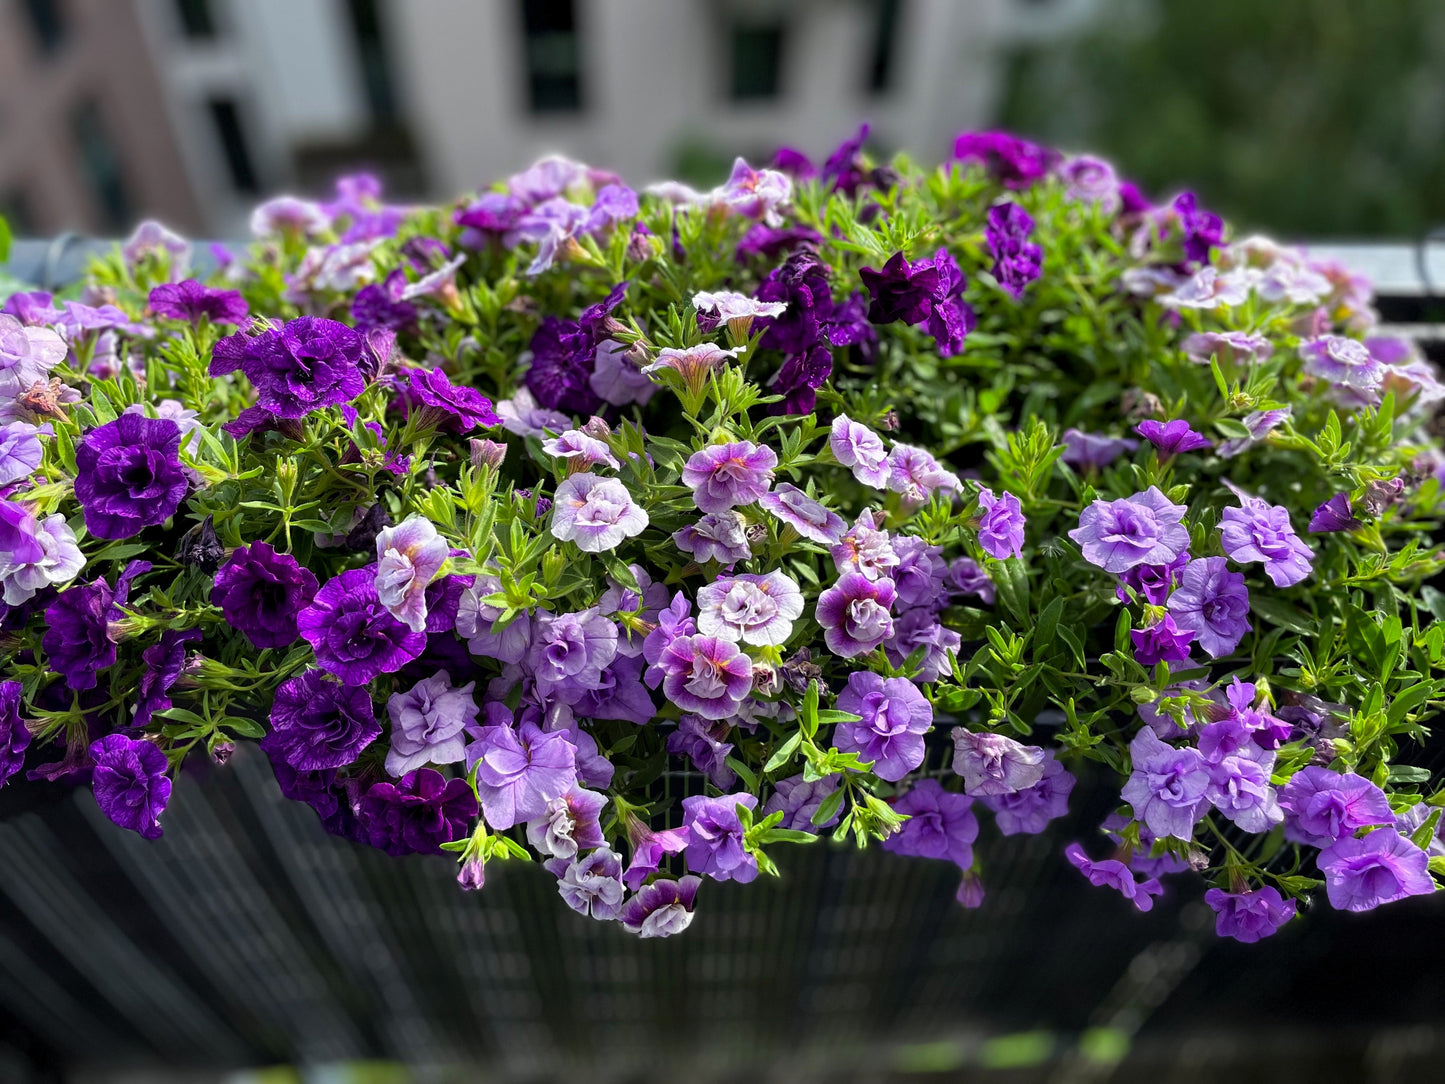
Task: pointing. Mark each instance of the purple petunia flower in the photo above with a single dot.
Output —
(940, 824)
(1091, 180)
(1001, 526)
(306, 364)
(1258, 424)
(353, 634)
(520, 770)
(803, 514)
(917, 571)
(1259, 531)
(78, 640)
(662, 908)
(1199, 230)
(866, 549)
(1322, 806)
(751, 609)
(920, 627)
(1342, 361)
(755, 193)
(717, 536)
(318, 724)
(409, 556)
(1028, 811)
(591, 884)
(737, 311)
(581, 450)
(193, 301)
(715, 837)
(993, 764)
(1152, 583)
(1013, 162)
(164, 661)
(893, 717)
(965, 578)
(1228, 346)
(1163, 641)
(855, 615)
(14, 734)
(1094, 450)
(417, 814)
(1384, 866)
(596, 513)
(616, 378)
(1168, 786)
(705, 675)
(21, 452)
(261, 592)
(1172, 438)
(860, 449)
(701, 741)
(649, 848)
(1213, 602)
(798, 799)
(27, 354)
(925, 292)
(438, 402)
(428, 723)
(131, 783)
(1111, 873)
(1334, 515)
(1016, 260)
(1249, 916)
(569, 652)
(724, 476)
(1239, 788)
(1145, 529)
(128, 475)
(914, 473)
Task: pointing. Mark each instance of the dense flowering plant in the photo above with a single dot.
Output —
(641, 534)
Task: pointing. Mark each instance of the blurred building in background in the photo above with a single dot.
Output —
(189, 110)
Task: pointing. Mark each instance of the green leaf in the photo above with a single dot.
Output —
(784, 754)
(828, 807)
(1280, 613)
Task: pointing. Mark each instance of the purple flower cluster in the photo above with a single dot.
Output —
(928, 292)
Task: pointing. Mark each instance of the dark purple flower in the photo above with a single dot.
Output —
(844, 167)
(164, 661)
(77, 639)
(261, 592)
(455, 408)
(801, 283)
(318, 724)
(14, 734)
(927, 291)
(768, 242)
(1017, 261)
(940, 824)
(715, 837)
(417, 814)
(1384, 866)
(1249, 916)
(661, 909)
(1171, 438)
(1014, 162)
(1213, 602)
(794, 163)
(1111, 873)
(128, 475)
(353, 634)
(490, 215)
(1152, 583)
(130, 782)
(194, 301)
(380, 305)
(306, 364)
(333, 799)
(1199, 230)
(564, 355)
(799, 379)
(1334, 515)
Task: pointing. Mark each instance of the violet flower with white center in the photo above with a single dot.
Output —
(580, 450)
(749, 608)
(1168, 786)
(1341, 360)
(701, 741)
(569, 652)
(24, 570)
(661, 909)
(798, 799)
(995, 763)
(804, 514)
(428, 724)
(717, 536)
(865, 548)
(1028, 811)
(523, 416)
(570, 824)
(737, 311)
(915, 474)
(520, 770)
(724, 476)
(616, 379)
(1227, 346)
(1145, 529)
(1259, 531)
(854, 614)
(1094, 450)
(1001, 525)
(861, 450)
(596, 513)
(1213, 602)
(893, 717)
(1259, 424)
(408, 557)
(705, 675)
(755, 193)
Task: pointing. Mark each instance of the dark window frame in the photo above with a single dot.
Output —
(553, 79)
(757, 59)
(228, 123)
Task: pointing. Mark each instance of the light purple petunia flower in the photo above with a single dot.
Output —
(855, 615)
(24, 571)
(965, 578)
(522, 415)
(804, 514)
(920, 627)
(1213, 602)
(408, 557)
(994, 764)
(1343, 361)
(1259, 531)
(893, 717)
(755, 193)
(1259, 424)
(581, 450)
(596, 513)
(861, 450)
(701, 741)
(914, 473)
(1028, 811)
(1091, 180)
(798, 799)
(662, 908)
(941, 824)
(919, 572)
(1145, 529)
(520, 771)
(616, 379)
(1094, 450)
(649, 848)
(1334, 515)
(1172, 438)
(717, 536)
(737, 311)
(694, 364)
(569, 652)
(21, 452)
(705, 675)
(748, 608)
(865, 548)
(1111, 873)
(1249, 916)
(1239, 788)
(1322, 806)
(1228, 346)
(715, 837)
(724, 476)
(1384, 866)
(571, 823)
(428, 724)
(1017, 261)
(1001, 525)
(590, 884)
(1168, 786)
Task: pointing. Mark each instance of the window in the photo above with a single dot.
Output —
(48, 22)
(886, 17)
(375, 65)
(102, 166)
(226, 116)
(757, 62)
(553, 54)
(196, 18)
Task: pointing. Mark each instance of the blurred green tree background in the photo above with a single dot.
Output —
(1306, 118)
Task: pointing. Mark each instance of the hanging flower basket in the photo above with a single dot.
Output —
(648, 536)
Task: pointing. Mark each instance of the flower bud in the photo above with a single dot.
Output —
(487, 453)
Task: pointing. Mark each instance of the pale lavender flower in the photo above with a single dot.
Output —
(694, 365)
(919, 572)
(865, 548)
(21, 452)
(519, 771)
(152, 238)
(1001, 525)
(1208, 289)
(804, 514)
(521, 415)
(1145, 529)
(27, 354)
(1213, 602)
(724, 476)
(941, 824)
(289, 215)
(1342, 360)
(737, 311)
(475, 620)
(1028, 811)
(1168, 786)
(596, 513)
(995, 763)
(569, 652)
(1228, 346)
(59, 561)
(1239, 788)
(580, 450)
(408, 557)
(854, 614)
(1259, 424)
(860, 449)
(755, 193)
(187, 420)
(571, 823)
(893, 717)
(717, 536)
(799, 799)
(1111, 873)
(428, 723)
(592, 884)
(1259, 531)
(920, 627)
(1091, 180)
(616, 379)
(1094, 450)
(916, 474)
(754, 609)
